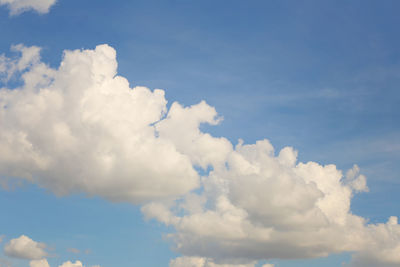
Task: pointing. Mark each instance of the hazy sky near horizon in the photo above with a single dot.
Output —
(99, 166)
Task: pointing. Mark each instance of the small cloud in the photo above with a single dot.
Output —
(17, 7)
(39, 263)
(70, 264)
(205, 262)
(25, 248)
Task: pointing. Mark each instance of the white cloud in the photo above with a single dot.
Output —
(70, 264)
(44, 263)
(25, 248)
(181, 126)
(187, 262)
(39, 263)
(19, 6)
(202, 262)
(263, 206)
(356, 180)
(382, 246)
(81, 128)
(29, 56)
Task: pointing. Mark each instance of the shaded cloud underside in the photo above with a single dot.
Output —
(82, 128)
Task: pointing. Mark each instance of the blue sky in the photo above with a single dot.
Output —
(320, 76)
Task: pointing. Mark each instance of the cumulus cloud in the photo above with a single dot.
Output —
(262, 205)
(202, 262)
(70, 264)
(9, 67)
(82, 128)
(44, 263)
(19, 6)
(39, 263)
(382, 246)
(25, 248)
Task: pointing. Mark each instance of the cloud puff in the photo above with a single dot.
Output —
(25, 248)
(382, 246)
(44, 263)
(70, 264)
(19, 6)
(202, 262)
(39, 263)
(9, 67)
(81, 128)
(260, 205)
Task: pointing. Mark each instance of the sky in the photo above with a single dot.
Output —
(199, 133)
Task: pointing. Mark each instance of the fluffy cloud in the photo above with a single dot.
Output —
(382, 247)
(70, 264)
(25, 248)
(30, 56)
(202, 262)
(260, 205)
(181, 126)
(39, 263)
(18, 6)
(81, 128)
(44, 263)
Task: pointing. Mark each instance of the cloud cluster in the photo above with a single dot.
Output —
(19, 6)
(82, 128)
(70, 264)
(25, 248)
(259, 205)
(204, 262)
(39, 263)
